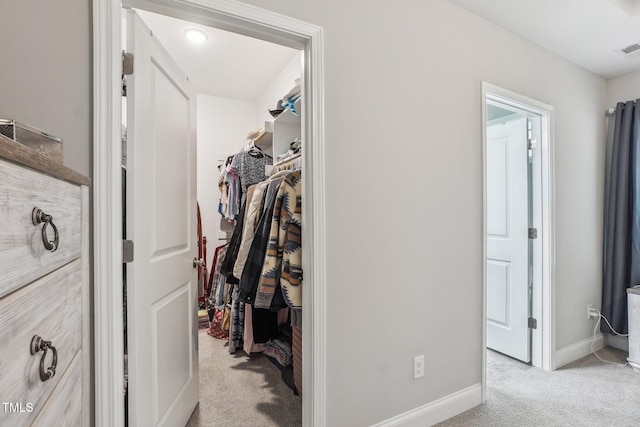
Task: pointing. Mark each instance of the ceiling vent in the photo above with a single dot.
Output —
(634, 48)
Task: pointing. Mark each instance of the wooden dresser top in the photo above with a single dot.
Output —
(18, 153)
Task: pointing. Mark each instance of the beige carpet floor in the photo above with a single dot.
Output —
(586, 392)
(237, 390)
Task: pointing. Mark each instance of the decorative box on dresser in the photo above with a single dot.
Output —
(44, 291)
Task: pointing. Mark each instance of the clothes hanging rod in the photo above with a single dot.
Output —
(287, 159)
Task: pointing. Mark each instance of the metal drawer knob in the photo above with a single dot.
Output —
(37, 217)
(37, 345)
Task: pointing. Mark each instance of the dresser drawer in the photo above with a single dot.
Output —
(52, 308)
(64, 407)
(23, 257)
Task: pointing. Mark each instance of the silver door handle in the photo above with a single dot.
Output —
(198, 262)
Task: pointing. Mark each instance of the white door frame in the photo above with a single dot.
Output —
(107, 188)
(543, 338)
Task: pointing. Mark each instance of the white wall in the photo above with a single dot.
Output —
(404, 204)
(45, 77)
(223, 125)
(623, 88)
(280, 86)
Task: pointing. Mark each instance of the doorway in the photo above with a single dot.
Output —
(248, 20)
(517, 228)
(229, 99)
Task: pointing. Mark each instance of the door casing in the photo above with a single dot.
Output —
(107, 187)
(543, 338)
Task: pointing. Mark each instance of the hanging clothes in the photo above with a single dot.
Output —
(255, 257)
(283, 257)
(255, 200)
(232, 252)
(237, 309)
(249, 166)
(237, 321)
(253, 215)
(216, 286)
(291, 227)
(232, 182)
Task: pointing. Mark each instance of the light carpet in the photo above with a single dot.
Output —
(587, 392)
(239, 390)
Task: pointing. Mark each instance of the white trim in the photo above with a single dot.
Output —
(544, 337)
(248, 20)
(107, 209)
(439, 410)
(577, 351)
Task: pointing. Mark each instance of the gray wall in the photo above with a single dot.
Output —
(404, 204)
(623, 88)
(45, 76)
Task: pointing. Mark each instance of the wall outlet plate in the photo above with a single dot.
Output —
(418, 367)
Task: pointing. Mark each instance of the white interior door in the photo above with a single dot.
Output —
(507, 240)
(161, 220)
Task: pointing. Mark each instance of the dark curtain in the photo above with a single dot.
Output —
(621, 268)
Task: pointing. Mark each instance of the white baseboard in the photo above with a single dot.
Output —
(621, 343)
(439, 410)
(575, 351)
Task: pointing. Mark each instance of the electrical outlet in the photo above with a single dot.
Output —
(418, 367)
(592, 312)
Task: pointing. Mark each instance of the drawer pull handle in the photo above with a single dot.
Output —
(37, 345)
(37, 217)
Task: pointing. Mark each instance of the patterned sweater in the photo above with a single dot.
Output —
(283, 260)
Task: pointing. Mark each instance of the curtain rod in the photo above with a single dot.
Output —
(610, 112)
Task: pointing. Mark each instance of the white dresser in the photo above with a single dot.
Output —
(44, 291)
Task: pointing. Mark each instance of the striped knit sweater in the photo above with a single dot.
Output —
(283, 260)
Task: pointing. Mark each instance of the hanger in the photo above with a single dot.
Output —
(253, 150)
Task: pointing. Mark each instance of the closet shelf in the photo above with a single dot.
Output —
(266, 142)
(286, 128)
(288, 117)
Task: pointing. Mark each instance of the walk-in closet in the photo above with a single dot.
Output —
(247, 301)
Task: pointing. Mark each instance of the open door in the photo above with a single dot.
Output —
(161, 220)
(507, 239)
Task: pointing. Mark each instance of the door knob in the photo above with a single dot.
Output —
(198, 262)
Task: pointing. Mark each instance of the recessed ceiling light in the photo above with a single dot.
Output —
(195, 35)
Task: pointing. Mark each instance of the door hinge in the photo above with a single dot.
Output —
(127, 70)
(127, 251)
(533, 233)
(532, 144)
(127, 63)
(532, 323)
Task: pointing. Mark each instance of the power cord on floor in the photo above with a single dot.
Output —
(600, 316)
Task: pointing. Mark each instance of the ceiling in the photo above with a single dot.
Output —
(227, 64)
(589, 33)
